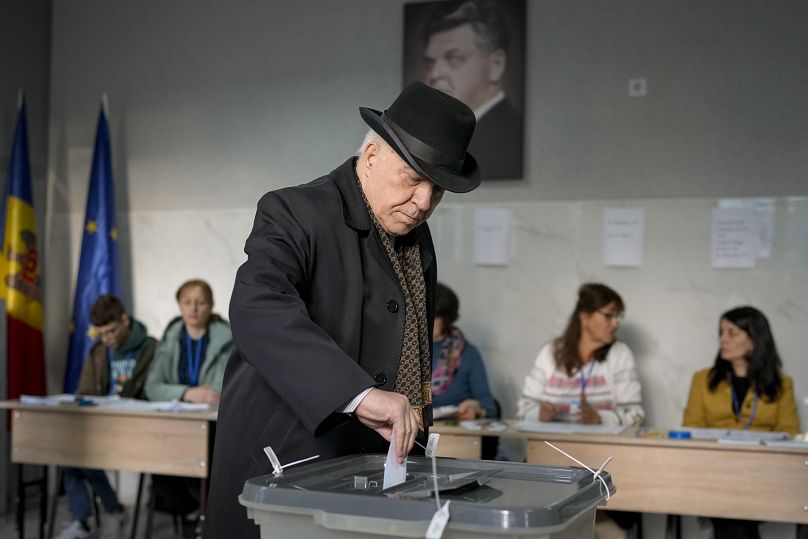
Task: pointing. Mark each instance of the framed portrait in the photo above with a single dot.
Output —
(474, 50)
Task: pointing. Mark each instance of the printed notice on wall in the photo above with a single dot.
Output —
(623, 236)
(734, 238)
(764, 209)
(492, 236)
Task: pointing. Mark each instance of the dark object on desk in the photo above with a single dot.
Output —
(490, 444)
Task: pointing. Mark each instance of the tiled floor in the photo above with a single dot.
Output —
(163, 528)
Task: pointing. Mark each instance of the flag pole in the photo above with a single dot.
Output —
(105, 103)
(20, 99)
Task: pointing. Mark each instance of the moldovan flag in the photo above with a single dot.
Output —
(19, 274)
(98, 264)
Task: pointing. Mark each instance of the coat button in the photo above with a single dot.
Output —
(380, 378)
(392, 306)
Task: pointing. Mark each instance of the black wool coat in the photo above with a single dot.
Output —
(317, 316)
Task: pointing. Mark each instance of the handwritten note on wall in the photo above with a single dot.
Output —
(734, 238)
(623, 236)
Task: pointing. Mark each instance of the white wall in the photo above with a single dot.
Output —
(214, 103)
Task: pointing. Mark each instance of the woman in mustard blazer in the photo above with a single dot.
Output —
(744, 389)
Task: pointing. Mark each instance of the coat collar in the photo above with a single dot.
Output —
(353, 207)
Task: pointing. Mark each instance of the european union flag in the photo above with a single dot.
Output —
(98, 265)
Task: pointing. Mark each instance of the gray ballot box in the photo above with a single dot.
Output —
(343, 498)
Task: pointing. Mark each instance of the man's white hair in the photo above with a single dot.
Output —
(371, 136)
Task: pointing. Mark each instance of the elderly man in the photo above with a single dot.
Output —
(466, 55)
(332, 312)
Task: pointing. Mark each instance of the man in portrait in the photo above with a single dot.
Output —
(466, 54)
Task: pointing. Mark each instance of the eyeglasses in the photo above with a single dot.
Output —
(613, 316)
(111, 330)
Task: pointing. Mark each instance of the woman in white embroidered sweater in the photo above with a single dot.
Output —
(585, 375)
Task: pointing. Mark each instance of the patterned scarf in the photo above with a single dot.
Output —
(447, 363)
(414, 369)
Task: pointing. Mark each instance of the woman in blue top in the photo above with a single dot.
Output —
(458, 373)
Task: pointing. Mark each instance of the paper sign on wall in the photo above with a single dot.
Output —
(764, 210)
(492, 236)
(623, 236)
(734, 238)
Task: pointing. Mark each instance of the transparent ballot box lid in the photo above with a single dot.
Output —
(486, 496)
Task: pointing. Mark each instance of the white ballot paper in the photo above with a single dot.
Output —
(394, 473)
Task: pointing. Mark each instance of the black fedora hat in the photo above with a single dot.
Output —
(431, 131)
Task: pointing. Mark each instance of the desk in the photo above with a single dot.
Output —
(682, 477)
(170, 443)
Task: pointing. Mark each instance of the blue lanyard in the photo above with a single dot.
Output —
(736, 407)
(194, 360)
(110, 358)
(585, 381)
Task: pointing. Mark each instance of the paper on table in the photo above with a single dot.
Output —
(48, 400)
(394, 473)
(568, 428)
(444, 411)
(735, 435)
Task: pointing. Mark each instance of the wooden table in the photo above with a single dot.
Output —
(681, 477)
(110, 438)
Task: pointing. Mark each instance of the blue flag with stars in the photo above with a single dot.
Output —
(98, 265)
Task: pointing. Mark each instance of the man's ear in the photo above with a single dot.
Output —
(497, 62)
(370, 153)
(125, 319)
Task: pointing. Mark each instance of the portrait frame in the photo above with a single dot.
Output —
(498, 142)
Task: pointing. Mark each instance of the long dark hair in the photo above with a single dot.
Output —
(764, 363)
(591, 297)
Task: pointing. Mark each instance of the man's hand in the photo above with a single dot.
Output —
(468, 410)
(547, 411)
(383, 410)
(589, 415)
(201, 394)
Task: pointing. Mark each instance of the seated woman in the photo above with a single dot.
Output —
(744, 389)
(458, 373)
(587, 376)
(190, 360)
(189, 366)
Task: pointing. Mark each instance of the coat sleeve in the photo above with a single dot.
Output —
(272, 328)
(533, 389)
(216, 376)
(628, 409)
(88, 382)
(787, 418)
(478, 381)
(161, 383)
(694, 415)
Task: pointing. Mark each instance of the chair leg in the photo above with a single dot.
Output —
(138, 501)
(97, 512)
(20, 502)
(54, 505)
(43, 502)
(150, 514)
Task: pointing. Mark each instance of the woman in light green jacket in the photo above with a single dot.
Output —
(190, 360)
(188, 365)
